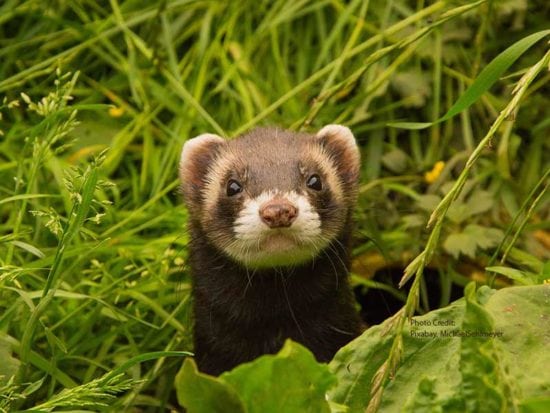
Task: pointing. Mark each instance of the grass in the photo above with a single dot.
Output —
(98, 98)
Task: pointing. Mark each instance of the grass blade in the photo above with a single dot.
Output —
(484, 81)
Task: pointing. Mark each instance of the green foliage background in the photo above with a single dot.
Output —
(97, 98)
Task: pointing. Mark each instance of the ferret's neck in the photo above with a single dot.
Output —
(220, 281)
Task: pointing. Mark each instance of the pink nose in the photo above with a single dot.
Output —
(278, 213)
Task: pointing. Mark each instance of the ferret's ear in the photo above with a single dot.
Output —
(340, 143)
(196, 156)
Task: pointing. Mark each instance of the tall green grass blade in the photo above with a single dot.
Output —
(483, 82)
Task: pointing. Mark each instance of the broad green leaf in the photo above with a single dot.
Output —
(413, 86)
(460, 243)
(428, 202)
(413, 221)
(478, 202)
(395, 160)
(201, 393)
(488, 352)
(458, 212)
(488, 76)
(291, 381)
(535, 405)
(470, 239)
(356, 363)
(485, 237)
(523, 315)
(8, 364)
(426, 400)
(482, 388)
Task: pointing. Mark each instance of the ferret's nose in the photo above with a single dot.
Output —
(278, 213)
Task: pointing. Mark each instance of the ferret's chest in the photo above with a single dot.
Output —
(267, 298)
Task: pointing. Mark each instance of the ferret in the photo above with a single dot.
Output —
(270, 224)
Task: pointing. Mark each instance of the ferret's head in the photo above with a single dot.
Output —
(271, 197)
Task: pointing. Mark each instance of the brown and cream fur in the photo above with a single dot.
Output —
(270, 223)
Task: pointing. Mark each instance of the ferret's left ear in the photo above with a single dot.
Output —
(196, 157)
(342, 147)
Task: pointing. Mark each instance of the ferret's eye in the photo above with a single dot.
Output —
(233, 187)
(314, 182)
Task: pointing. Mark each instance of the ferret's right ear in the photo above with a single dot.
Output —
(342, 147)
(196, 156)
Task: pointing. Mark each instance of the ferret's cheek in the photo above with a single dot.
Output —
(224, 214)
(331, 212)
(307, 221)
(323, 202)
